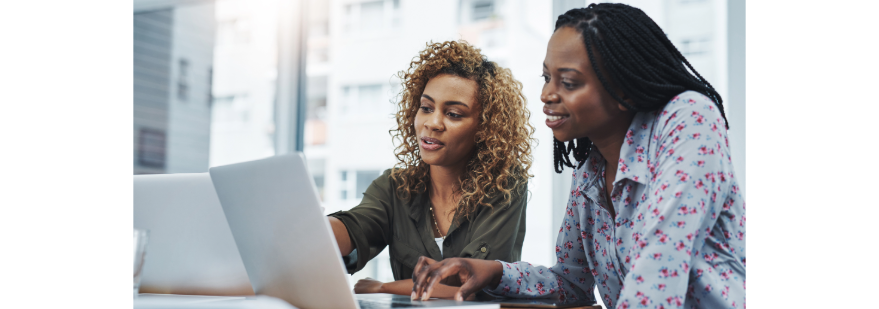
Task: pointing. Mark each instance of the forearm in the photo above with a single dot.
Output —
(340, 231)
(404, 287)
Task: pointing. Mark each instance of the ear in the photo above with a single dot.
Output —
(625, 98)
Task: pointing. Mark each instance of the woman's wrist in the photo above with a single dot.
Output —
(497, 272)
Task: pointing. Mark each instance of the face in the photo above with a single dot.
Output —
(447, 120)
(576, 103)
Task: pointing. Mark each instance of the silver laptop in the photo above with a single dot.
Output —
(191, 249)
(286, 242)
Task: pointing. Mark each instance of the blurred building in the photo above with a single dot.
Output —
(173, 58)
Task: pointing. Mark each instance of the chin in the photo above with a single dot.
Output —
(562, 137)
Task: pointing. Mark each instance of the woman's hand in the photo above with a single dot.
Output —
(473, 274)
(368, 285)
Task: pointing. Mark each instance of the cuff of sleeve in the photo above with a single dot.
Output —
(503, 287)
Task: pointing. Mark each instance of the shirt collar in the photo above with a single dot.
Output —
(634, 163)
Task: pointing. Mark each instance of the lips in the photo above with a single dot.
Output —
(554, 121)
(431, 144)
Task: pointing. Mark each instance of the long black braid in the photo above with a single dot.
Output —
(640, 60)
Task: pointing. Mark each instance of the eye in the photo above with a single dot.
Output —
(453, 115)
(426, 109)
(545, 78)
(568, 85)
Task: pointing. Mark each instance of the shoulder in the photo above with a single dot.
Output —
(689, 107)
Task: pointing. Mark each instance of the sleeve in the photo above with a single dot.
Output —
(569, 280)
(499, 231)
(682, 201)
(368, 223)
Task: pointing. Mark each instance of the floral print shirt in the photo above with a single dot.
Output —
(678, 239)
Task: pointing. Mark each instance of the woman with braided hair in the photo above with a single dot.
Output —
(655, 217)
(460, 183)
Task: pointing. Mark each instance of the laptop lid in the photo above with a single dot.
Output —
(284, 239)
(191, 249)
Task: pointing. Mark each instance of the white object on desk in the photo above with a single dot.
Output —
(169, 301)
(191, 249)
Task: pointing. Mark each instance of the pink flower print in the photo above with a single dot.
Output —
(703, 150)
(623, 305)
(735, 189)
(681, 224)
(660, 286)
(708, 287)
(682, 211)
(700, 163)
(678, 194)
(640, 217)
(506, 289)
(661, 218)
(607, 238)
(690, 237)
(628, 259)
(567, 226)
(578, 226)
(663, 238)
(567, 271)
(685, 267)
(580, 261)
(696, 135)
(710, 257)
(680, 246)
(676, 139)
(566, 255)
(740, 235)
(663, 272)
(725, 292)
(569, 245)
(519, 281)
(676, 300)
(698, 272)
(590, 220)
(642, 244)
(691, 101)
(594, 272)
(639, 279)
(644, 301)
(657, 256)
(655, 212)
(561, 260)
(674, 273)
(714, 127)
(619, 242)
(603, 252)
(558, 249)
(672, 152)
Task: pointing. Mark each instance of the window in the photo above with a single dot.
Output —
(151, 148)
(371, 16)
(482, 9)
(355, 182)
(182, 85)
(363, 99)
(695, 46)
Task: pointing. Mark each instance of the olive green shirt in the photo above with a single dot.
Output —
(384, 220)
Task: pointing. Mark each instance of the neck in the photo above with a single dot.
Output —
(444, 181)
(609, 144)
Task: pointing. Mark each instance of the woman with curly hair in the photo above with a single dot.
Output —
(459, 186)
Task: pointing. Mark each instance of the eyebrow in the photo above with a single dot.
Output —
(447, 102)
(563, 69)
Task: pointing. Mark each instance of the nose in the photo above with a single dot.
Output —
(548, 95)
(435, 122)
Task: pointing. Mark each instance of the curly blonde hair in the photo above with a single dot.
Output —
(503, 158)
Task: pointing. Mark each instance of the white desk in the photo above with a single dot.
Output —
(169, 301)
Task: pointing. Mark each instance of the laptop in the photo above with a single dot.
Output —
(287, 244)
(190, 248)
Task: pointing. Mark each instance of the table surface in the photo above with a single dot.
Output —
(166, 301)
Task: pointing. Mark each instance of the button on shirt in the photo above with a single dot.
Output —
(678, 239)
